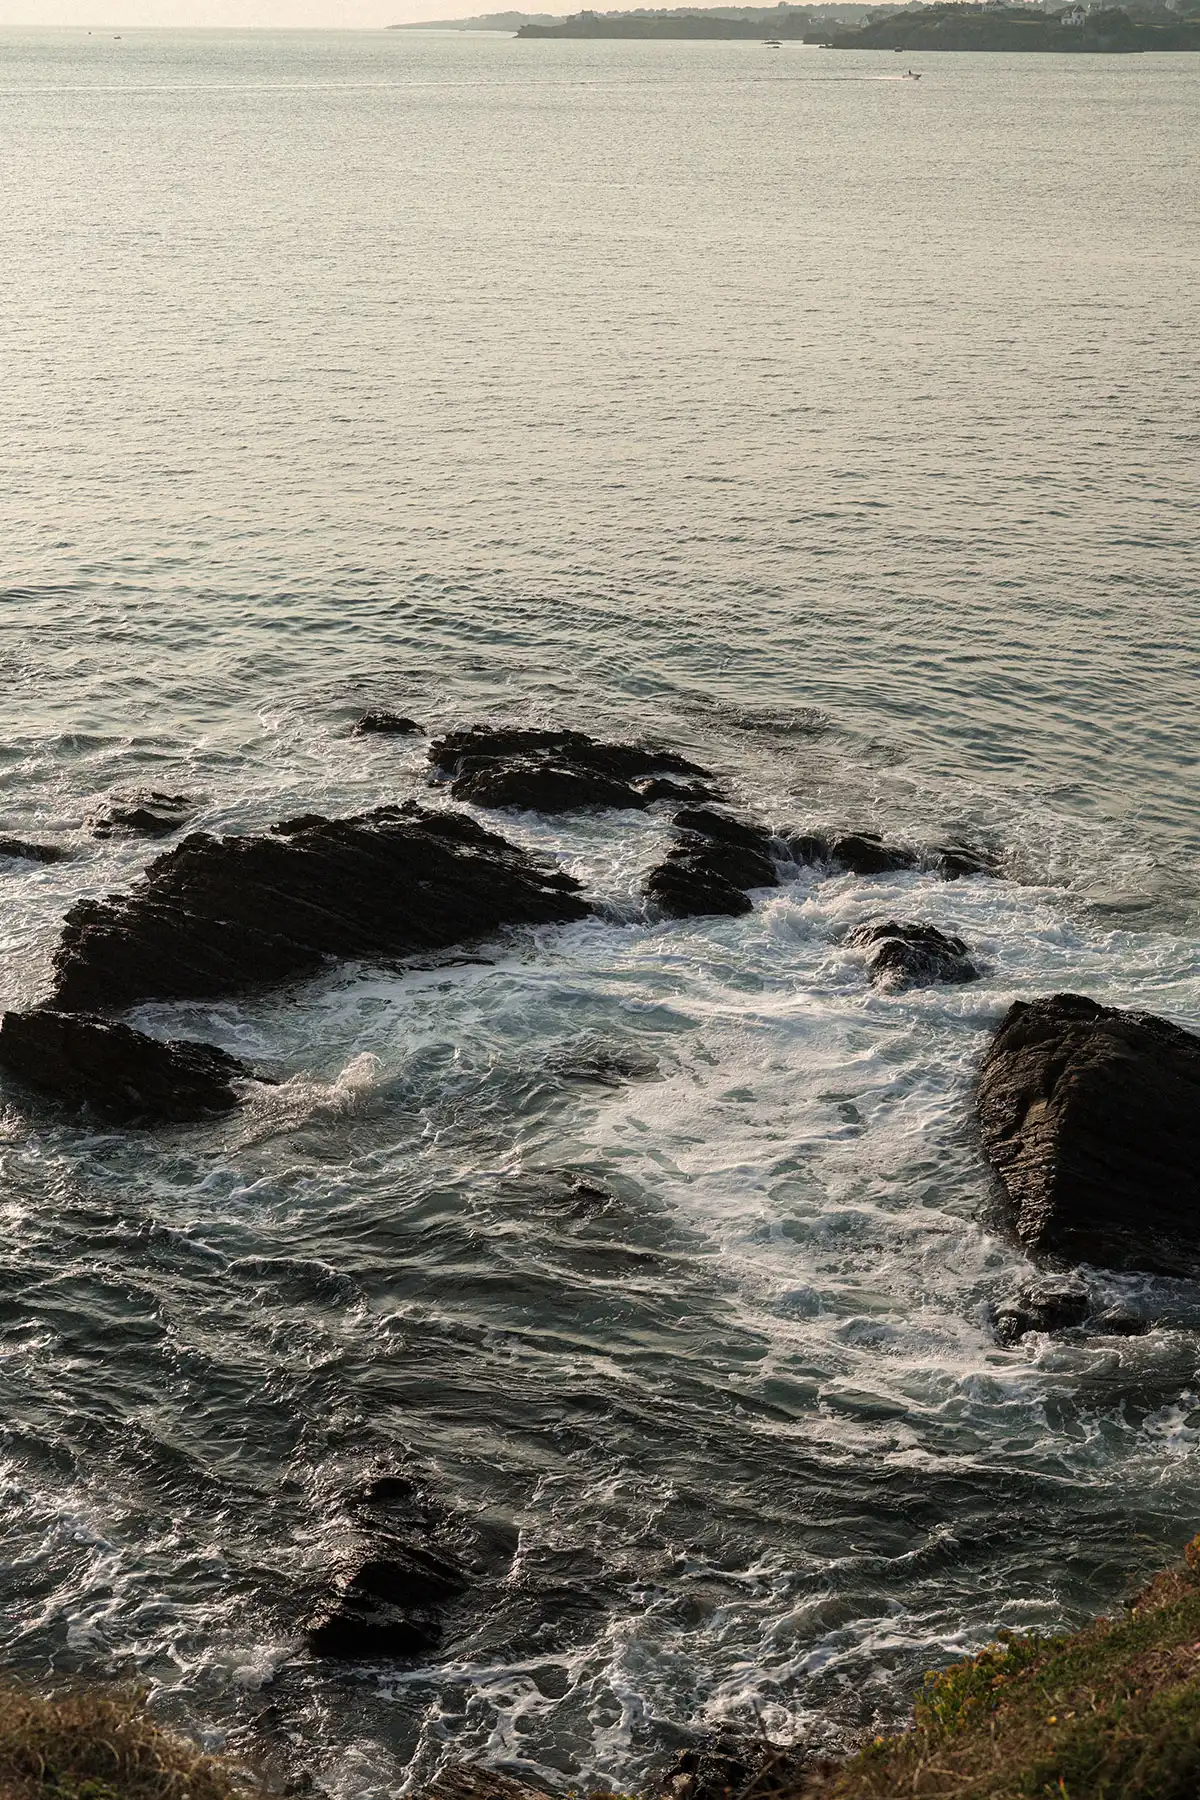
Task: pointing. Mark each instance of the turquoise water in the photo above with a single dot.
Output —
(841, 431)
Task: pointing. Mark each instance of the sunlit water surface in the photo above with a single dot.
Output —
(838, 429)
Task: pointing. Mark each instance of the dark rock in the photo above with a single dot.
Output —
(545, 787)
(660, 789)
(105, 1064)
(384, 724)
(724, 828)
(148, 815)
(865, 853)
(1091, 1118)
(25, 852)
(1051, 1307)
(349, 1633)
(954, 861)
(685, 890)
(715, 859)
(732, 1767)
(1116, 1322)
(465, 1781)
(219, 914)
(389, 1604)
(903, 956)
(862, 852)
(624, 762)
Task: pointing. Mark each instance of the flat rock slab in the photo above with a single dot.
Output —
(216, 915)
(904, 956)
(1091, 1118)
(101, 1063)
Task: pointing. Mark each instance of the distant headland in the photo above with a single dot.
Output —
(953, 25)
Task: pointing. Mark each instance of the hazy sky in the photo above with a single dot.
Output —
(235, 12)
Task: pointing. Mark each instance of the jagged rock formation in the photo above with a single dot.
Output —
(101, 1063)
(1091, 1118)
(219, 914)
(149, 814)
(716, 858)
(904, 956)
(557, 771)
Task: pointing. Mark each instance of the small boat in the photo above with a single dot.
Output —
(772, 44)
(912, 75)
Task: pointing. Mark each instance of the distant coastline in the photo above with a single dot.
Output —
(1073, 29)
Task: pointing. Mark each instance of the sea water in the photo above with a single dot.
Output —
(837, 430)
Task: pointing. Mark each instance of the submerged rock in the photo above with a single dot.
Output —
(1091, 1118)
(101, 1063)
(388, 1605)
(384, 724)
(904, 956)
(219, 914)
(149, 814)
(21, 851)
(715, 859)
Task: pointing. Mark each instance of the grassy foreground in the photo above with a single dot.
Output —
(93, 1745)
(1111, 1712)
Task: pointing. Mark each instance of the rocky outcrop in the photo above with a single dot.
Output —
(219, 914)
(388, 1605)
(726, 1767)
(1046, 1307)
(466, 1781)
(100, 1063)
(148, 814)
(544, 787)
(384, 724)
(1091, 1118)
(865, 853)
(21, 851)
(904, 956)
(557, 771)
(714, 861)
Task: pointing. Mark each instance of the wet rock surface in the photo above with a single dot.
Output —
(148, 814)
(216, 915)
(1090, 1117)
(1050, 1306)
(20, 850)
(732, 1767)
(904, 956)
(716, 858)
(450, 755)
(408, 1562)
(866, 853)
(545, 787)
(557, 771)
(384, 724)
(101, 1063)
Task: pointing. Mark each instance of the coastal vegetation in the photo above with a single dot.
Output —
(957, 25)
(96, 1744)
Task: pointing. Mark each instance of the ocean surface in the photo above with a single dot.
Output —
(839, 430)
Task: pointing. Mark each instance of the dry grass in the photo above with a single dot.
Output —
(99, 1745)
(1108, 1713)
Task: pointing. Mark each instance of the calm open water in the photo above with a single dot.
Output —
(838, 429)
